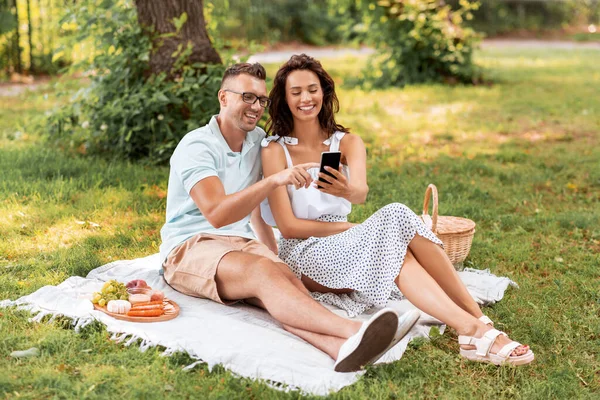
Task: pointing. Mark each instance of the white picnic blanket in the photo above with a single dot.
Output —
(242, 338)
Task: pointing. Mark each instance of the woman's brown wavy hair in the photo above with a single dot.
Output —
(280, 120)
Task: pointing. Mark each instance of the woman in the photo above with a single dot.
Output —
(389, 254)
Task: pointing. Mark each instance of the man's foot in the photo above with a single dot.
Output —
(405, 323)
(374, 338)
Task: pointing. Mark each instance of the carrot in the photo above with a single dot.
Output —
(148, 307)
(148, 303)
(146, 313)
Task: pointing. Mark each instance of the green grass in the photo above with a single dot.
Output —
(520, 157)
(586, 37)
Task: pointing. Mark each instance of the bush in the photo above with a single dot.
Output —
(126, 112)
(496, 17)
(420, 41)
(315, 22)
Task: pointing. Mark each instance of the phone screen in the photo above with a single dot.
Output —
(330, 159)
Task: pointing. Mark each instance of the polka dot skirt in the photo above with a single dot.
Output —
(366, 258)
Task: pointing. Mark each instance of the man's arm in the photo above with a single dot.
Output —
(221, 209)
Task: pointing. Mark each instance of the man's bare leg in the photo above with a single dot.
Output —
(329, 343)
(242, 276)
(437, 264)
(326, 343)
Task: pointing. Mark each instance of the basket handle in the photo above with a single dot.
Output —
(431, 222)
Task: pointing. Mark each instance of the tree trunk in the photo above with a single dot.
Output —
(159, 15)
(40, 32)
(48, 32)
(18, 62)
(30, 35)
(9, 46)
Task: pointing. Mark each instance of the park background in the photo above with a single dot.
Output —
(495, 102)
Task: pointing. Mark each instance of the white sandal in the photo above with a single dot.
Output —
(375, 337)
(483, 346)
(486, 320)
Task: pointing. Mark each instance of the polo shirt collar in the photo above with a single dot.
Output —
(249, 140)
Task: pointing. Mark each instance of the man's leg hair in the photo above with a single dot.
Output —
(244, 276)
(326, 343)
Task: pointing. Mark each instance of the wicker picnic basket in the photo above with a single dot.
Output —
(456, 233)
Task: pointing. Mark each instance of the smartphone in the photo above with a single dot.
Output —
(330, 159)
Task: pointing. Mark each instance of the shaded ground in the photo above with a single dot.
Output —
(284, 54)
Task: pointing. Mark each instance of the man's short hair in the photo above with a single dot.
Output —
(256, 70)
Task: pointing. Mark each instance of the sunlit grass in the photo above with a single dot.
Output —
(518, 156)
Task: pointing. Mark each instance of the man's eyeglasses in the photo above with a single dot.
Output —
(251, 98)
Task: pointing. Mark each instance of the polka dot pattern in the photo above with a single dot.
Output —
(366, 258)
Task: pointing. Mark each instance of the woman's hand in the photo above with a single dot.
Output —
(339, 186)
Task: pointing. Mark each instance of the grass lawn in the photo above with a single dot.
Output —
(520, 157)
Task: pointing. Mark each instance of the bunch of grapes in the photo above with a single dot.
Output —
(112, 290)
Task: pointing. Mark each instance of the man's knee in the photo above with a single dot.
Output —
(264, 269)
(286, 270)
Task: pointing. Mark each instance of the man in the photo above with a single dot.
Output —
(209, 249)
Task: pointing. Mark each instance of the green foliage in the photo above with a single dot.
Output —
(420, 41)
(316, 22)
(126, 112)
(7, 21)
(496, 17)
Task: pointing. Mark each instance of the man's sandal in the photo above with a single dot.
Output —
(483, 346)
(486, 320)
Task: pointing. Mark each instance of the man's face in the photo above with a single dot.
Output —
(234, 110)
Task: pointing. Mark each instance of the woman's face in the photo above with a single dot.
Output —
(303, 94)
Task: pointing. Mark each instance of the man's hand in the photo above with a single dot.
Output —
(296, 176)
(339, 186)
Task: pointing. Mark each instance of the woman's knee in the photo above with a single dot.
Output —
(409, 257)
(409, 265)
(397, 209)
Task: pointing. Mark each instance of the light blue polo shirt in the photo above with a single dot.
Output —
(200, 154)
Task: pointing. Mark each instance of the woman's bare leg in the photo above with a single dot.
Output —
(424, 293)
(317, 287)
(437, 264)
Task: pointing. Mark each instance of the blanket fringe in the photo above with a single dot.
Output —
(486, 272)
(80, 323)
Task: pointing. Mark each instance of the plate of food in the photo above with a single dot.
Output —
(135, 302)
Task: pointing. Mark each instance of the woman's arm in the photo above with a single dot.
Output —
(263, 231)
(273, 161)
(354, 189)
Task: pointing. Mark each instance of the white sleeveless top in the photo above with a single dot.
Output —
(309, 203)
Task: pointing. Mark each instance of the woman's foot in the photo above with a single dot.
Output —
(490, 345)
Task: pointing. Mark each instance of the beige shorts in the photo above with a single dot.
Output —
(191, 267)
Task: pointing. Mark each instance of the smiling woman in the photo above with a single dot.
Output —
(390, 254)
